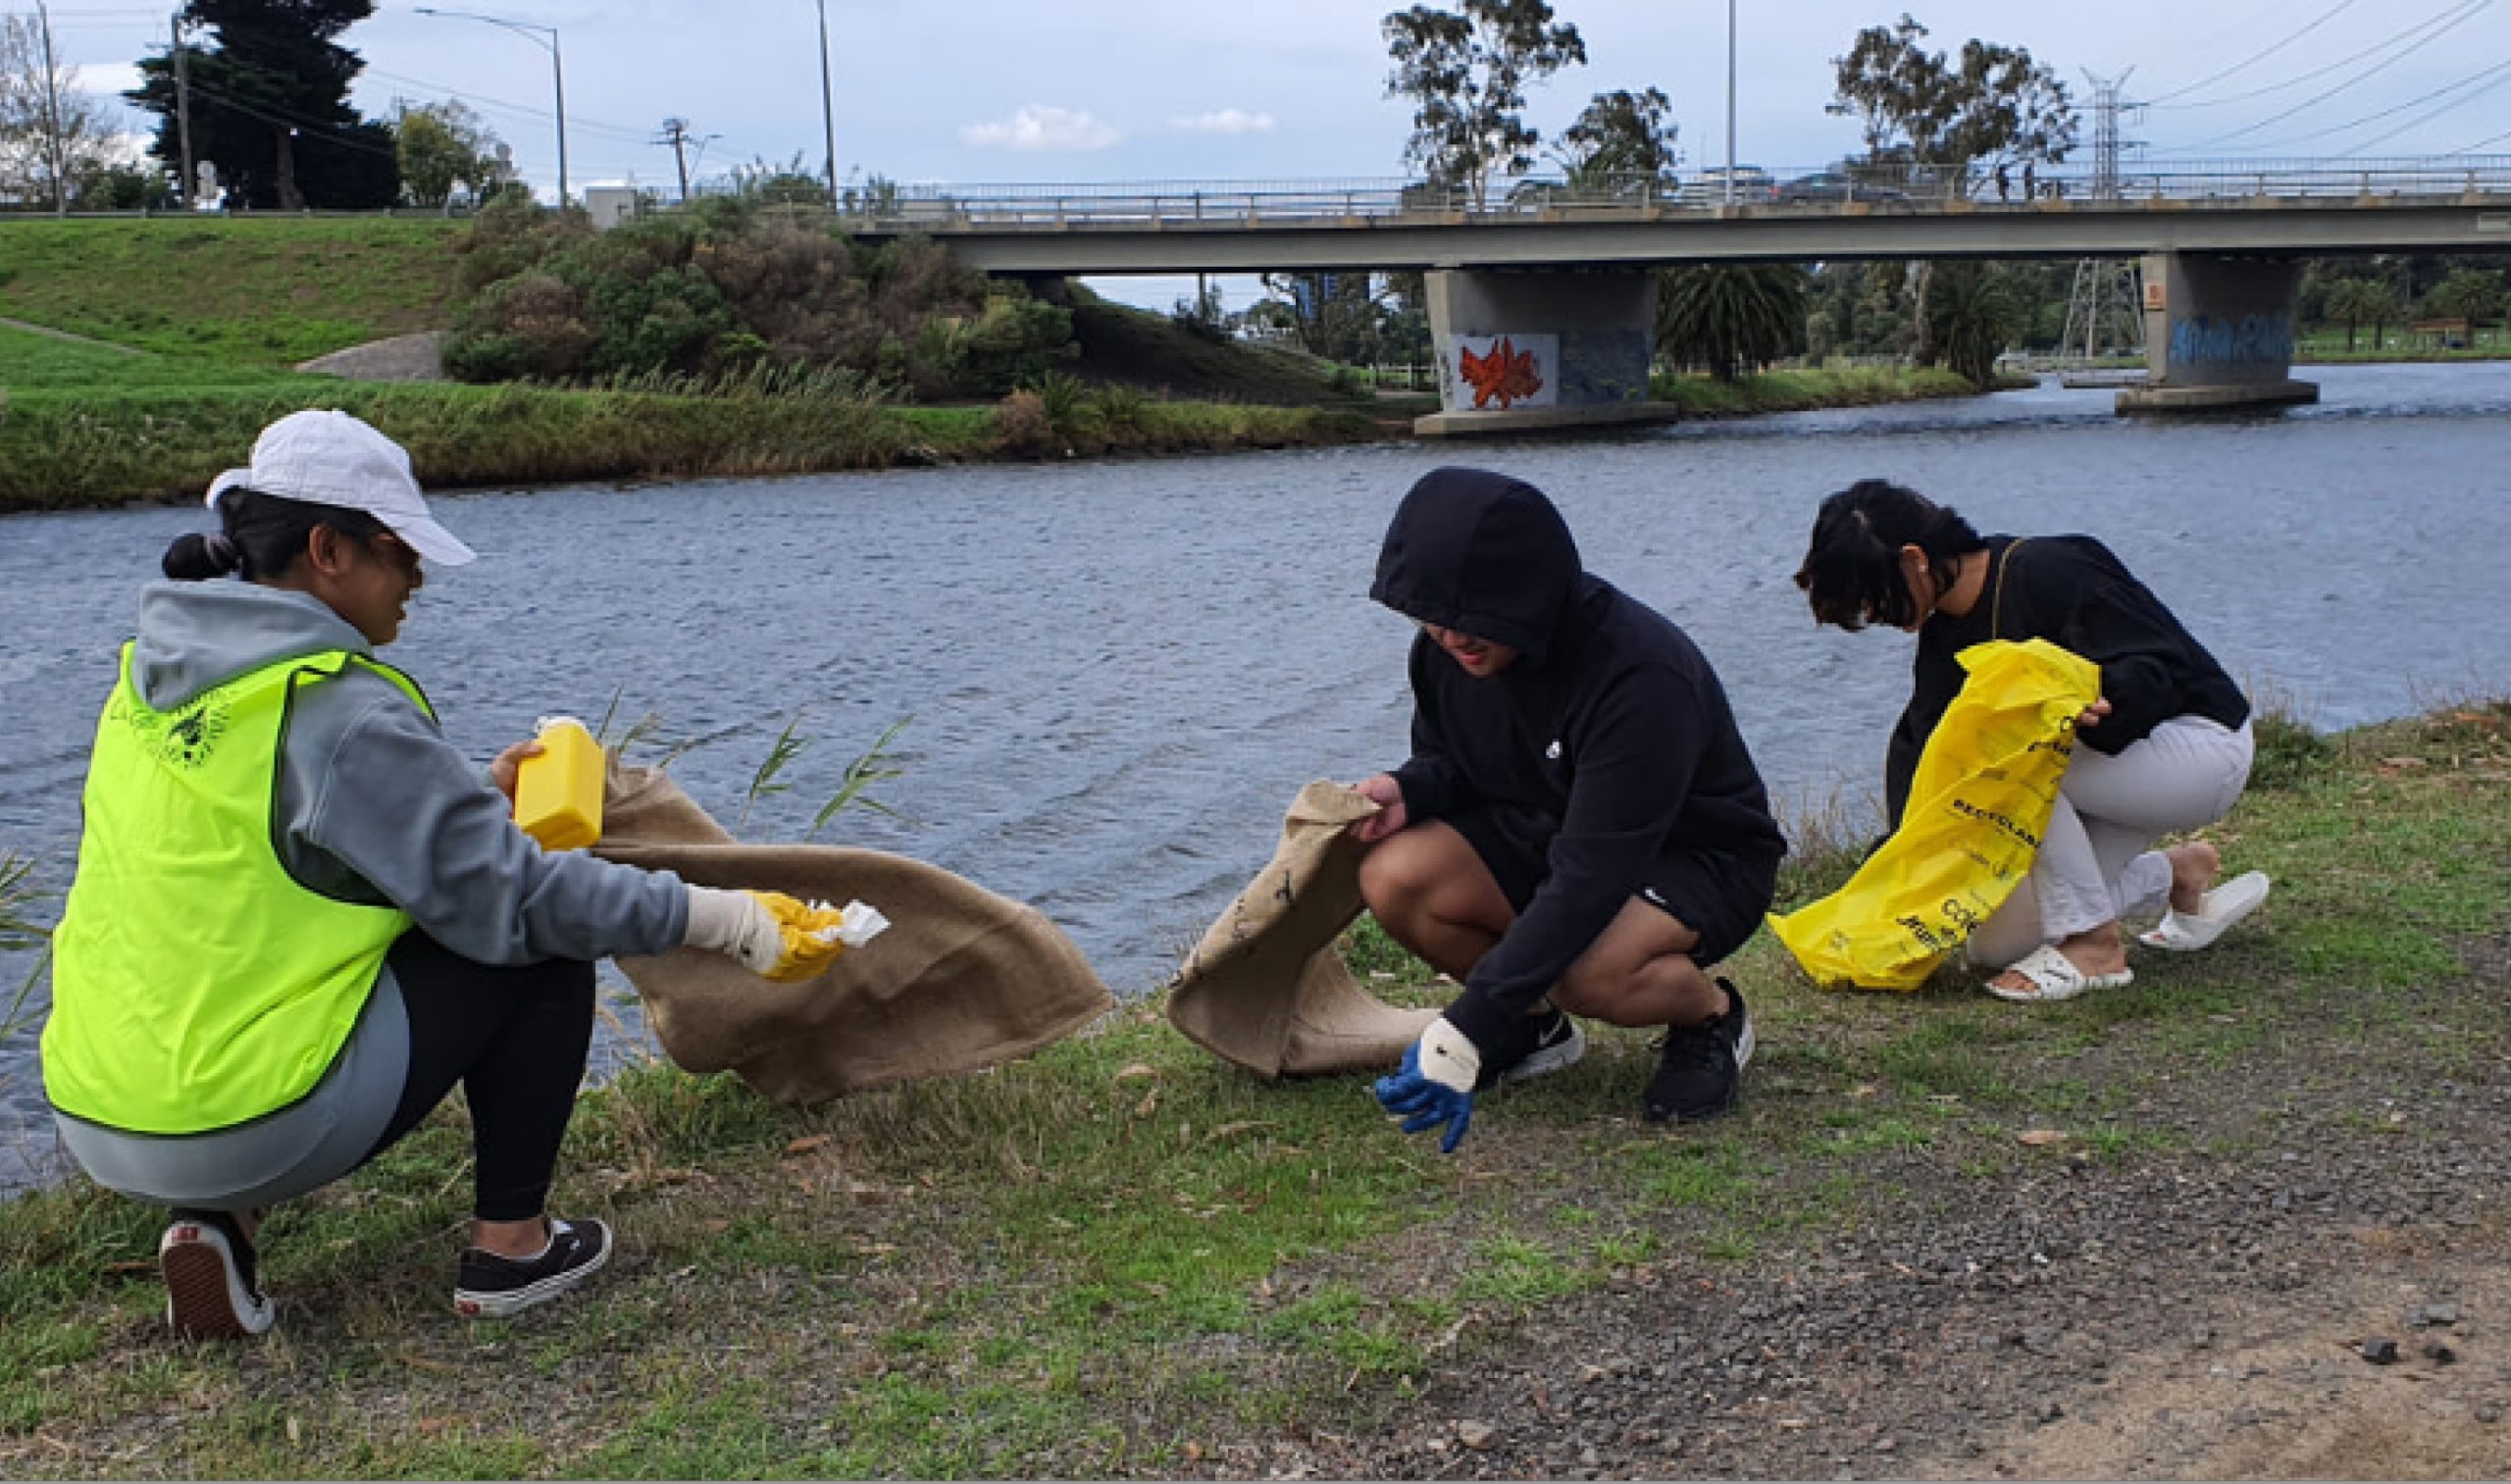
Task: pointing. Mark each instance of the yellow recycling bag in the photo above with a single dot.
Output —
(1977, 804)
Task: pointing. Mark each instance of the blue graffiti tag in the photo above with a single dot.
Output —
(2256, 339)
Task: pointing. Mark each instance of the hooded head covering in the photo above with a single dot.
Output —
(1482, 554)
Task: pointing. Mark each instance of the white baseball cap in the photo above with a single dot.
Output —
(331, 458)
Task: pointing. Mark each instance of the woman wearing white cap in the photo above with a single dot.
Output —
(300, 917)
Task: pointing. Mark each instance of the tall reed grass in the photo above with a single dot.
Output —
(91, 448)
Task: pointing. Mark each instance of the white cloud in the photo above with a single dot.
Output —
(1226, 121)
(107, 80)
(1041, 128)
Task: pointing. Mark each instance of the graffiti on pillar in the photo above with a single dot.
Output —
(1508, 371)
(2253, 340)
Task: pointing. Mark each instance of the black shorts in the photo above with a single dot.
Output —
(1720, 894)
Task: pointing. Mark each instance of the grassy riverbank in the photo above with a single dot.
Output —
(1120, 1258)
(85, 427)
(115, 429)
(1814, 388)
(265, 292)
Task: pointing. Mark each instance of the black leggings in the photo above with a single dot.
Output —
(516, 1039)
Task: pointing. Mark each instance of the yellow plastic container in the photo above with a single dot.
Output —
(557, 796)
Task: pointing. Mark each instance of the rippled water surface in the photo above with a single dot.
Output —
(1120, 672)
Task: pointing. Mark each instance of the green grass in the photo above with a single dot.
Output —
(2327, 346)
(36, 363)
(266, 291)
(1807, 390)
(1107, 1257)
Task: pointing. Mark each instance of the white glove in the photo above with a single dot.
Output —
(1448, 1057)
(735, 924)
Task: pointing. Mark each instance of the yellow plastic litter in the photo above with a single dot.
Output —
(557, 796)
(1978, 802)
(814, 933)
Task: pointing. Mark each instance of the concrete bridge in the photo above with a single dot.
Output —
(1548, 284)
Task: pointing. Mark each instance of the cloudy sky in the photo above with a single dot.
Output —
(971, 92)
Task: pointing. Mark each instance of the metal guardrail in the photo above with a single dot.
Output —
(1862, 190)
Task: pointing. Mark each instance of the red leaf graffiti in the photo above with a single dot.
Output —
(1506, 374)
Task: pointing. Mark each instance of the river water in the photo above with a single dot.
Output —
(1119, 673)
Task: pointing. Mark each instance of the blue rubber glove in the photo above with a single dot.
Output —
(1434, 1087)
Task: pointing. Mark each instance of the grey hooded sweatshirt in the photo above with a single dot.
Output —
(374, 806)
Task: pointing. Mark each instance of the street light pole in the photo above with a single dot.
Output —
(52, 117)
(828, 106)
(546, 38)
(1731, 102)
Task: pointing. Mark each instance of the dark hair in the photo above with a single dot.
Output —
(261, 535)
(1852, 572)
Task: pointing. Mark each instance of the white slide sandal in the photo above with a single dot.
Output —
(2228, 903)
(2052, 976)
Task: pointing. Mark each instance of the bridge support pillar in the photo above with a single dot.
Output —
(2219, 333)
(1523, 351)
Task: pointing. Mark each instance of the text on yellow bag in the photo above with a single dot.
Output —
(1980, 798)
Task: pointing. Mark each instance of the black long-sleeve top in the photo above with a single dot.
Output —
(1611, 721)
(2071, 591)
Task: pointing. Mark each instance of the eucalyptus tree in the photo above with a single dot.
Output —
(1948, 123)
(2473, 295)
(1621, 143)
(2363, 301)
(1951, 121)
(1466, 71)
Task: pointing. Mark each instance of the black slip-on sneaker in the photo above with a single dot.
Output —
(494, 1287)
(213, 1287)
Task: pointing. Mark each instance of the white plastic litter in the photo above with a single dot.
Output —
(862, 922)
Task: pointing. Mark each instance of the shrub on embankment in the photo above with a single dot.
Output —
(727, 285)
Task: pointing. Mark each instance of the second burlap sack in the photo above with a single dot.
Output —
(1265, 988)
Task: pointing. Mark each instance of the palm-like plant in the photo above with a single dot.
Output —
(1975, 314)
(1730, 319)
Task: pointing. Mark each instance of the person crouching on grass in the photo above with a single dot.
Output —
(1580, 830)
(300, 917)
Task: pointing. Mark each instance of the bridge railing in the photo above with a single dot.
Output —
(1855, 190)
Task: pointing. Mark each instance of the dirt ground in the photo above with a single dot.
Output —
(2311, 1295)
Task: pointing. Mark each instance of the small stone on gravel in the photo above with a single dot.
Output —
(1476, 1435)
(2379, 1351)
(2439, 1353)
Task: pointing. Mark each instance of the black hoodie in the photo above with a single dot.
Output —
(1611, 721)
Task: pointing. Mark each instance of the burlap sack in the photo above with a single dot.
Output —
(963, 979)
(1265, 988)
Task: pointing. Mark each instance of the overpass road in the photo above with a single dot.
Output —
(2299, 209)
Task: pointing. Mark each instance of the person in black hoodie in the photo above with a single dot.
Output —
(1579, 830)
(2166, 748)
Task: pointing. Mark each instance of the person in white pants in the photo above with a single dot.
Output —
(2166, 748)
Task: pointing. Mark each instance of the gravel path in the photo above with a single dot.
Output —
(2312, 1297)
(402, 358)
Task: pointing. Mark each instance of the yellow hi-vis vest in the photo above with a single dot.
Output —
(195, 985)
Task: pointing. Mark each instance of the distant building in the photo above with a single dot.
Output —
(610, 205)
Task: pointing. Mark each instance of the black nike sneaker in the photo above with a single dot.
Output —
(1703, 1070)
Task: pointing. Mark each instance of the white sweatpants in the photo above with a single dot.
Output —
(2097, 864)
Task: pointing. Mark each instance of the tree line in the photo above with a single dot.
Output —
(256, 93)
